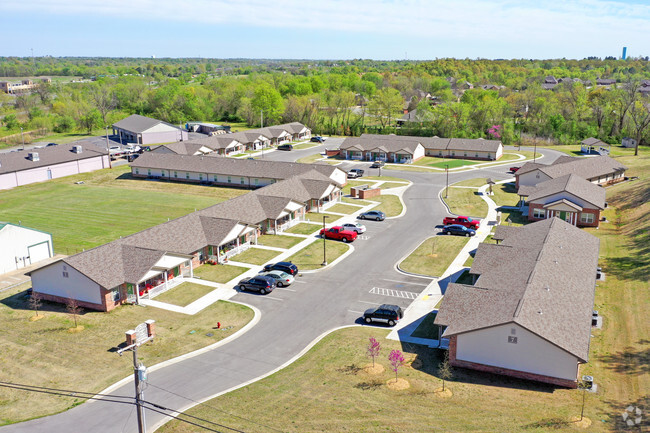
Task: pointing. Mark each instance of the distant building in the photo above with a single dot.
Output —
(144, 130)
(26, 85)
(22, 246)
(601, 170)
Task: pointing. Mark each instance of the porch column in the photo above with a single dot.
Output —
(166, 281)
(275, 227)
(137, 293)
(255, 237)
(191, 269)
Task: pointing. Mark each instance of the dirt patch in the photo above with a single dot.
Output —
(580, 423)
(443, 394)
(398, 385)
(76, 329)
(35, 318)
(373, 370)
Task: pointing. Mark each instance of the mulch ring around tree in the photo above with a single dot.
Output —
(398, 385)
(374, 370)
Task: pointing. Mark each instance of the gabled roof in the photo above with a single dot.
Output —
(591, 141)
(570, 183)
(542, 277)
(587, 168)
(48, 156)
(564, 202)
(391, 143)
(138, 124)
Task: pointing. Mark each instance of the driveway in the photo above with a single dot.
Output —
(290, 319)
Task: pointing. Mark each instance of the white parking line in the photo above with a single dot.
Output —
(300, 282)
(271, 297)
(371, 303)
(355, 312)
(405, 282)
(284, 288)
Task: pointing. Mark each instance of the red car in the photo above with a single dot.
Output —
(514, 169)
(338, 233)
(463, 221)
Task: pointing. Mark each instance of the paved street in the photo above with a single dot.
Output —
(290, 318)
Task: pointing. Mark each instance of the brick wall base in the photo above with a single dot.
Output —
(62, 300)
(369, 193)
(515, 373)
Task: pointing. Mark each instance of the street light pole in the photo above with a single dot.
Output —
(22, 137)
(535, 152)
(324, 241)
(447, 188)
(110, 164)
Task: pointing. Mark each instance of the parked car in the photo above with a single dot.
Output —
(376, 215)
(354, 227)
(287, 267)
(115, 150)
(338, 233)
(281, 279)
(457, 229)
(354, 173)
(463, 221)
(144, 149)
(131, 148)
(377, 164)
(285, 147)
(514, 169)
(51, 144)
(389, 314)
(317, 139)
(132, 157)
(258, 283)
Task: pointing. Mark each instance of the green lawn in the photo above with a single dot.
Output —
(310, 159)
(219, 273)
(471, 182)
(45, 353)
(386, 178)
(306, 145)
(515, 217)
(279, 241)
(354, 183)
(434, 255)
(255, 256)
(465, 201)
(184, 294)
(505, 194)
(391, 204)
(317, 217)
(311, 257)
(304, 228)
(453, 163)
(427, 329)
(416, 168)
(343, 208)
(389, 185)
(108, 205)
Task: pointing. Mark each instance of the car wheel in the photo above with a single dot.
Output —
(242, 288)
(280, 284)
(368, 320)
(377, 219)
(466, 235)
(391, 323)
(345, 240)
(263, 291)
(448, 233)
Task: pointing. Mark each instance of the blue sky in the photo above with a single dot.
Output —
(327, 29)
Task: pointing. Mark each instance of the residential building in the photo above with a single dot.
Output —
(22, 246)
(224, 144)
(37, 165)
(529, 312)
(145, 130)
(570, 198)
(23, 86)
(592, 145)
(601, 170)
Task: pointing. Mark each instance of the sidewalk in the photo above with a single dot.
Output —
(17, 277)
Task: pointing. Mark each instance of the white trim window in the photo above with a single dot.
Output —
(586, 218)
(539, 213)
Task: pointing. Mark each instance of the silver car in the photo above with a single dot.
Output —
(354, 227)
(282, 279)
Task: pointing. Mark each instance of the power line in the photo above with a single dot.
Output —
(215, 408)
(190, 416)
(184, 420)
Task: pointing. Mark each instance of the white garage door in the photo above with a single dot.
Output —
(39, 252)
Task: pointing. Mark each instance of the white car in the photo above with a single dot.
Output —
(131, 148)
(282, 279)
(114, 150)
(354, 227)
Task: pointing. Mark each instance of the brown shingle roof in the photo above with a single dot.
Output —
(570, 183)
(18, 161)
(587, 168)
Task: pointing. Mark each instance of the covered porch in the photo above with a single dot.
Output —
(240, 238)
(293, 214)
(563, 209)
(165, 274)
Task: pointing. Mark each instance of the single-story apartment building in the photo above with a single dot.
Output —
(529, 312)
(570, 198)
(145, 130)
(22, 246)
(601, 170)
(37, 165)
(224, 145)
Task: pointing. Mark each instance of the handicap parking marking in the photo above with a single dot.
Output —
(363, 237)
(393, 293)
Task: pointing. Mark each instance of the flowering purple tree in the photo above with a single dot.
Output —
(373, 349)
(396, 360)
(495, 131)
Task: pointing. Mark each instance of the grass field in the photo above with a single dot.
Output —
(515, 217)
(505, 194)
(45, 353)
(255, 256)
(465, 201)
(310, 159)
(390, 204)
(471, 182)
(434, 255)
(305, 145)
(354, 183)
(351, 200)
(219, 273)
(184, 294)
(343, 208)
(453, 163)
(311, 257)
(108, 205)
(386, 178)
(304, 229)
(317, 217)
(279, 241)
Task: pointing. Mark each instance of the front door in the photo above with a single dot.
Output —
(563, 215)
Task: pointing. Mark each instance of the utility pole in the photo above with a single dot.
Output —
(110, 164)
(22, 137)
(535, 152)
(142, 334)
(447, 188)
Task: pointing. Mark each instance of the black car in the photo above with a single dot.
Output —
(385, 313)
(258, 283)
(317, 139)
(376, 215)
(457, 229)
(51, 144)
(285, 147)
(377, 164)
(287, 267)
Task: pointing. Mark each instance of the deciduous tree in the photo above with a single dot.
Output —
(374, 347)
(396, 360)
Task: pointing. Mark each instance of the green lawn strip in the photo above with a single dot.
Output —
(471, 182)
(434, 255)
(306, 145)
(255, 256)
(310, 159)
(321, 391)
(427, 329)
(386, 178)
(279, 241)
(108, 205)
(505, 194)
(311, 257)
(45, 353)
(304, 228)
(351, 200)
(389, 185)
(454, 163)
(354, 183)
(219, 273)
(512, 217)
(391, 205)
(239, 155)
(317, 217)
(405, 167)
(343, 208)
(465, 201)
(469, 261)
(184, 294)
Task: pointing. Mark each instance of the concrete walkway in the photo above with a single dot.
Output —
(18, 277)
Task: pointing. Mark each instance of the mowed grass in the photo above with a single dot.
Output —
(327, 390)
(45, 353)
(472, 182)
(354, 183)
(184, 294)
(304, 229)
(343, 208)
(310, 159)
(465, 201)
(311, 257)
(390, 204)
(279, 241)
(219, 273)
(255, 256)
(108, 205)
(427, 329)
(505, 194)
(317, 217)
(434, 255)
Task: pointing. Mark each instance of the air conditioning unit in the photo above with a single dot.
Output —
(33, 156)
(76, 149)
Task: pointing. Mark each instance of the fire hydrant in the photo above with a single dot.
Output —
(218, 325)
